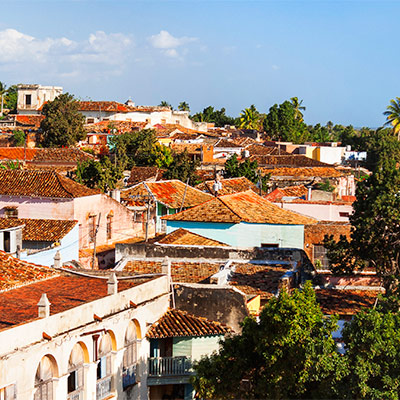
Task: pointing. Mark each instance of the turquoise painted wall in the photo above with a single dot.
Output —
(245, 234)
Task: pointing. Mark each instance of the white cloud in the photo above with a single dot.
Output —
(63, 56)
(164, 40)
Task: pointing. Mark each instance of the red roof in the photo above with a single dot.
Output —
(290, 191)
(177, 323)
(34, 183)
(241, 207)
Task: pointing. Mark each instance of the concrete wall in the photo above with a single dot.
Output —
(39, 95)
(22, 347)
(223, 304)
(68, 248)
(245, 234)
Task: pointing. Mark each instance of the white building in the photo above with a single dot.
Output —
(74, 336)
(32, 97)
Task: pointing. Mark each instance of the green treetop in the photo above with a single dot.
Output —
(63, 123)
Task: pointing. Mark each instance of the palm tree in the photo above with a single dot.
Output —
(297, 105)
(392, 114)
(250, 118)
(165, 104)
(3, 90)
(183, 106)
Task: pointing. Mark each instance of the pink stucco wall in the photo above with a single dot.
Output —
(322, 212)
(30, 207)
(123, 224)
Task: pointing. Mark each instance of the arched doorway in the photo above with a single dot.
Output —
(76, 372)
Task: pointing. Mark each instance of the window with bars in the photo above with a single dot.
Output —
(44, 379)
(92, 228)
(76, 373)
(109, 226)
(320, 253)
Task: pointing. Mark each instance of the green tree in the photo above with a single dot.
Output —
(183, 168)
(63, 123)
(298, 108)
(183, 106)
(372, 358)
(250, 118)
(288, 354)
(140, 148)
(11, 97)
(218, 117)
(19, 138)
(281, 123)
(392, 114)
(165, 104)
(246, 168)
(375, 232)
(319, 134)
(3, 91)
(102, 174)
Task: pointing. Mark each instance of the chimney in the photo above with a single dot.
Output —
(44, 306)
(112, 284)
(57, 259)
(166, 267)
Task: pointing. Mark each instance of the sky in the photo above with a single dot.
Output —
(341, 57)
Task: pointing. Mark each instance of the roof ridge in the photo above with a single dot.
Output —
(59, 181)
(226, 205)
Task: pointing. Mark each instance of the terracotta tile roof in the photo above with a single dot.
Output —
(60, 155)
(225, 143)
(245, 141)
(170, 193)
(241, 207)
(114, 106)
(260, 280)
(17, 153)
(259, 149)
(169, 128)
(185, 272)
(323, 172)
(119, 126)
(287, 161)
(290, 191)
(229, 186)
(29, 120)
(64, 292)
(345, 302)
(15, 272)
(46, 230)
(141, 174)
(40, 184)
(47, 155)
(183, 237)
(191, 148)
(177, 323)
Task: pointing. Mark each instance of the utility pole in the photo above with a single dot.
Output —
(184, 194)
(94, 241)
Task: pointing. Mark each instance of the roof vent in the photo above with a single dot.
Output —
(57, 260)
(112, 284)
(44, 306)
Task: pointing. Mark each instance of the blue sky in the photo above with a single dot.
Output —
(340, 57)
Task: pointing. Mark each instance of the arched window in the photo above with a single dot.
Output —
(129, 372)
(104, 373)
(75, 370)
(45, 374)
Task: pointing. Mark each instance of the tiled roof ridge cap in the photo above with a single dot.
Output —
(232, 195)
(23, 284)
(58, 176)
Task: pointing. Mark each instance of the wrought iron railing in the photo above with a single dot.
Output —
(76, 395)
(170, 366)
(103, 388)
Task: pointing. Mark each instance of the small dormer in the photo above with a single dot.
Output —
(11, 240)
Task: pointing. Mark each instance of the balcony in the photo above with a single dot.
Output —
(170, 366)
(129, 377)
(76, 395)
(103, 388)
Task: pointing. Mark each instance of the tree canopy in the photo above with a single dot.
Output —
(288, 354)
(392, 114)
(218, 117)
(182, 168)
(63, 123)
(250, 118)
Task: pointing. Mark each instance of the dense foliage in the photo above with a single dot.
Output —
(218, 117)
(63, 123)
(288, 354)
(183, 168)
